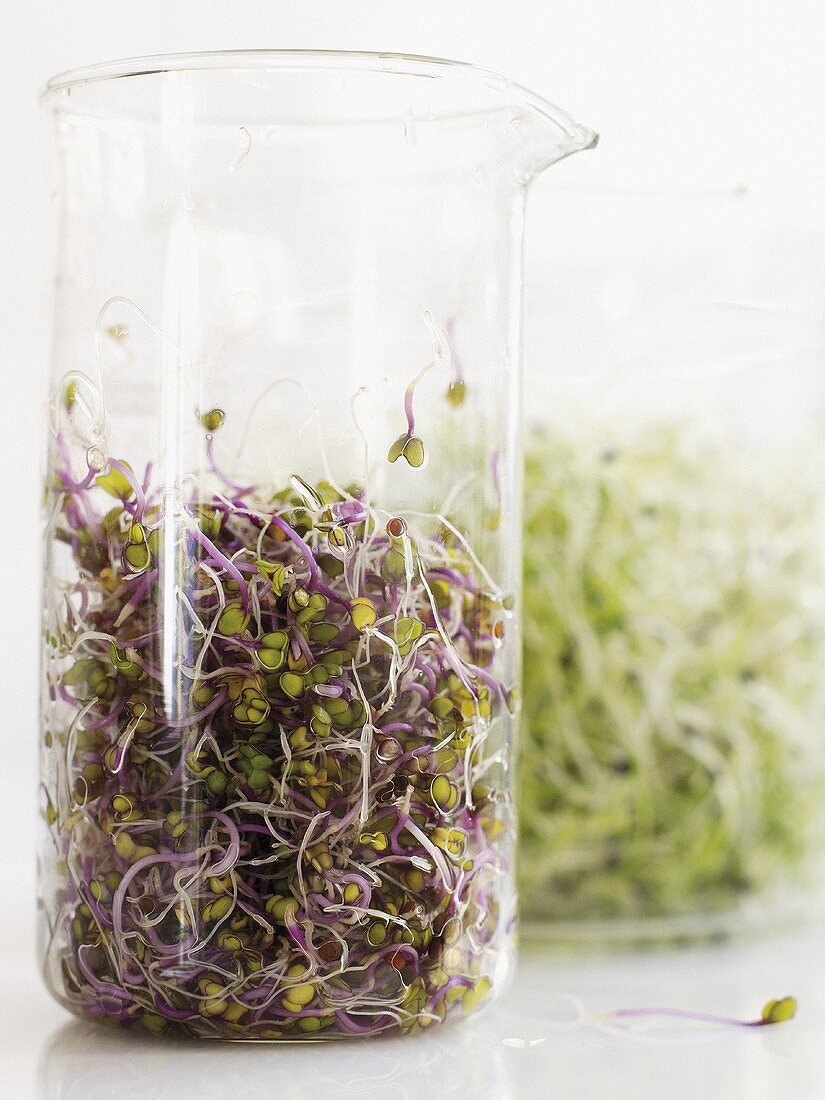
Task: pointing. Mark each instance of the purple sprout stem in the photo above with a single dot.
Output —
(261, 830)
(408, 407)
(309, 557)
(682, 1014)
(174, 777)
(425, 670)
(221, 560)
(98, 913)
(133, 871)
(348, 1024)
(342, 823)
(247, 567)
(295, 930)
(408, 398)
(233, 848)
(173, 1013)
(155, 673)
(101, 988)
(107, 719)
(91, 515)
(77, 486)
(142, 586)
(495, 463)
(487, 679)
(306, 554)
(98, 1008)
(458, 580)
(458, 366)
(199, 715)
(210, 454)
(459, 979)
(304, 648)
(350, 511)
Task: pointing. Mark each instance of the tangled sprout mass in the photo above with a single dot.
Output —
(275, 748)
(673, 669)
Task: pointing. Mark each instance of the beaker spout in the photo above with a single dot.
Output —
(548, 133)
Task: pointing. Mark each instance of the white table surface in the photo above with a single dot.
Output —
(524, 1047)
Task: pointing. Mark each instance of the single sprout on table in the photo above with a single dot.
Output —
(286, 828)
(777, 1011)
(673, 653)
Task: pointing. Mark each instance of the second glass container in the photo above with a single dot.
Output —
(673, 756)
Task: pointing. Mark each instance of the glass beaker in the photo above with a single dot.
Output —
(281, 623)
(673, 759)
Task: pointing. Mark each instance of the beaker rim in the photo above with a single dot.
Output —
(204, 60)
(390, 63)
(552, 135)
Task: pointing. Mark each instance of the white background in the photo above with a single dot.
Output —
(701, 95)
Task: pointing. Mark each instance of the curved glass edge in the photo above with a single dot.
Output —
(368, 61)
(753, 918)
(576, 136)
